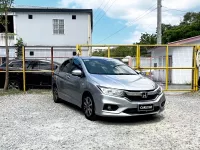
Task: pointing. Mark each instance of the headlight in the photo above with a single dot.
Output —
(159, 90)
(112, 92)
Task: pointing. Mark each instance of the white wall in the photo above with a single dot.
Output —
(181, 57)
(12, 53)
(144, 62)
(60, 54)
(158, 57)
(39, 30)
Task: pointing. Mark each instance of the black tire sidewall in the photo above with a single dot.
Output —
(56, 100)
(93, 117)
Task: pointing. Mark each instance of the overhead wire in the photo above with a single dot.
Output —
(102, 9)
(99, 6)
(105, 12)
(124, 27)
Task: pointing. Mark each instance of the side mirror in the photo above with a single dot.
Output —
(76, 72)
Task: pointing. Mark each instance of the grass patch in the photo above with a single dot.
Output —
(31, 91)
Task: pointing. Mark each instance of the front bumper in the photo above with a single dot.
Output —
(126, 107)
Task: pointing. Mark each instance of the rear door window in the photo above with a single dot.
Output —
(45, 66)
(3, 65)
(16, 64)
(34, 66)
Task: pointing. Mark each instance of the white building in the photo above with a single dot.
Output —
(56, 27)
(178, 57)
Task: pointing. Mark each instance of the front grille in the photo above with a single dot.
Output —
(135, 110)
(139, 98)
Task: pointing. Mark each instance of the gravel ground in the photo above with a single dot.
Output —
(33, 121)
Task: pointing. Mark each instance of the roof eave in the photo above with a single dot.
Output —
(57, 10)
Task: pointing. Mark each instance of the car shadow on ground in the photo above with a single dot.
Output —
(72, 107)
(119, 120)
(133, 120)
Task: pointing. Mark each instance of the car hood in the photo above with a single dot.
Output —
(125, 82)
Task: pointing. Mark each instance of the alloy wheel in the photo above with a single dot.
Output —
(13, 85)
(88, 108)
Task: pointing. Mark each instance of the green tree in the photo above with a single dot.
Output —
(19, 46)
(5, 6)
(147, 39)
(189, 27)
(191, 17)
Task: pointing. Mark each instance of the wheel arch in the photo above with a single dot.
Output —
(85, 93)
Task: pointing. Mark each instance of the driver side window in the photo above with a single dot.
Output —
(65, 67)
(76, 65)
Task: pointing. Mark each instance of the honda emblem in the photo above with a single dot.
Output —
(144, 95)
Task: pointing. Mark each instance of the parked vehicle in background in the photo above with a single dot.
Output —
(106, 87)
(34, 79)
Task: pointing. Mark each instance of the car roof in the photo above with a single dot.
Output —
(92, 57)
(43, 60)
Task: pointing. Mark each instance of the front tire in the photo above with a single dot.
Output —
(55, 95)
(89, 108)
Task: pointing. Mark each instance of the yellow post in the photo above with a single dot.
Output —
(167, 65)
(196, 72)
(77, 49)
(80, 51)
(194, 69)
(197, 79)
(197, 69)
(139, 56)
(108, 51)
(24, 74)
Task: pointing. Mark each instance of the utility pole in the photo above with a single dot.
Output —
(159, 22)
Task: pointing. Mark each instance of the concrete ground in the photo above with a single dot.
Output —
(34, 121)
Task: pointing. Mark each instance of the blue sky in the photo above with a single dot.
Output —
(133, 17)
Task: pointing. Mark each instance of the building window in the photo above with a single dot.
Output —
(10, 24)
(58, 26)
(30, 16)
(31, 53)
(73, 16)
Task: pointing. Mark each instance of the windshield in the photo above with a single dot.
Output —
(107, 67)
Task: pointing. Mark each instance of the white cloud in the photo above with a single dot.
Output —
(131, 10)
(135, 36)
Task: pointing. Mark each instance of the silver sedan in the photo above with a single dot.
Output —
(106, 87)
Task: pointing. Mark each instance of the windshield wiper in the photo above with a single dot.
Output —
(125, 74)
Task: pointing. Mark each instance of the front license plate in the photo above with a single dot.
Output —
(149, 107)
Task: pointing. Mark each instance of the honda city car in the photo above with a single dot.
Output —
(106, 87)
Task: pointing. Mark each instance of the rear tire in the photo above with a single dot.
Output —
(14, 85)
(89, 108)
(55, 95)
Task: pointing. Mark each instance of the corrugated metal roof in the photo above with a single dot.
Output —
(185, 41)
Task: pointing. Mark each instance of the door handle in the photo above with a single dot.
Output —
(67, 76)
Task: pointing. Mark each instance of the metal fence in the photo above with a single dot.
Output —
(52, 54)
(174, 67)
